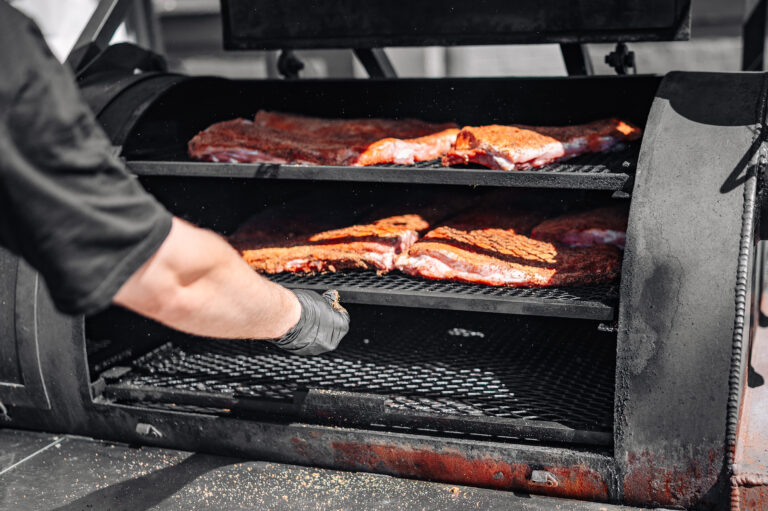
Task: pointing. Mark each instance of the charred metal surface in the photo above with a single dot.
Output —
(676, 335)
(21, 381)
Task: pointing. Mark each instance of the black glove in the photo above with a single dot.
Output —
(322, 324)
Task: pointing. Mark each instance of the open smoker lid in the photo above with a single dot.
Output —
(277, 24)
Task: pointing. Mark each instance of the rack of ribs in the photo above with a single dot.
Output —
(294, 246)
(490, 247)
(369, 130)
(586, 228)
(524, 147)
(294, 139)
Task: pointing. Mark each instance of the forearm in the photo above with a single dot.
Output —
(198, 284)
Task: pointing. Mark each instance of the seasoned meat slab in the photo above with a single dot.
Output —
(494, 249)
(286, 138)
(244, 141)
(524, 147)
(408, 151)
(290, 247)
(583, 229)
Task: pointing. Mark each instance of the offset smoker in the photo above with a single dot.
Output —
(624, 393)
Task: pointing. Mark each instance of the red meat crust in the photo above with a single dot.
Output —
(502, 255)
(293, 139)
(524, 147)
(366, 246)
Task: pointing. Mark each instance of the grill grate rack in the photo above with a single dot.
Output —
(595, 171)
(525, 377)
(395, 288)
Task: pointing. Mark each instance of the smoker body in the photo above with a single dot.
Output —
(681, 320)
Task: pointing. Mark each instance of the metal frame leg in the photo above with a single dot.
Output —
(376, 62)
(576, 58)
(143, 22)
(109, 14)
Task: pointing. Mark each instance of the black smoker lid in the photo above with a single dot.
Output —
(278, 24)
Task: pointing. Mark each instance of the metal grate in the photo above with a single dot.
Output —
(597, 171)
(621, 162)
(587, 302)
(560, 371)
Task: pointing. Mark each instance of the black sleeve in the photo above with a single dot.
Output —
(67, 205)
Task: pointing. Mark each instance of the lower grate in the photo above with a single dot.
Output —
(423, 367)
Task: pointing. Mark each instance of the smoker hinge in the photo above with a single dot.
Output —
(544, 478)
(98, 387)
(611, 328)
(148, 430)
(114, 373)
(289, 65)
(621, 59)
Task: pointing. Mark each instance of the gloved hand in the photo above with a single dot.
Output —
(322, 324)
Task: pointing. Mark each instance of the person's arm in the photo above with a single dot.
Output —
(198, 284)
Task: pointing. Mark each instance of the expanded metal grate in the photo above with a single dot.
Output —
(587, 302)
(598, 171)
(444, 365)
(621, 162)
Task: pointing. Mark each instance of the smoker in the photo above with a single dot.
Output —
(627, 393)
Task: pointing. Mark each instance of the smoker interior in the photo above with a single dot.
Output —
(223, 204)
(421, 355)
(510, 377)
(156, 144)
(439, 358)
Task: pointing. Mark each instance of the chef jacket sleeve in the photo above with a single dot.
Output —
(67, 204)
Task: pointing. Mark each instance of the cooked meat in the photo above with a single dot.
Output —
(408, 151)
(286, 138)
(366, 246)
(240, 140)
(364, 130)
(598, 226)
(494, 250)
(523, 147)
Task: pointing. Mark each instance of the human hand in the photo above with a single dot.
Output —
(322, 325)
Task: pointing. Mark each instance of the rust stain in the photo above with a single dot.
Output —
(576, 481)
(753, 498)
(650, 481)
(300, 446)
